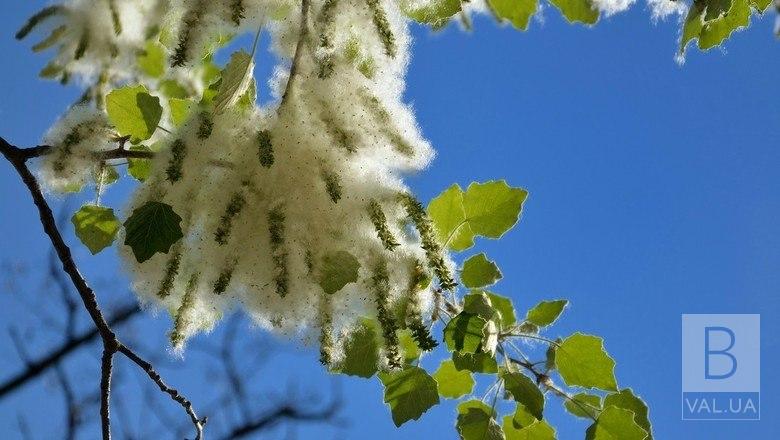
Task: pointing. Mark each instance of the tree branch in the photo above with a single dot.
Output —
(111, 344)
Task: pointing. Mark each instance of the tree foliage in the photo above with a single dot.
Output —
(295, 208)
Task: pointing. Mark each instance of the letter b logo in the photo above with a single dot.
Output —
(710, 334)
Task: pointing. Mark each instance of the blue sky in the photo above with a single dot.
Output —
(654, 192)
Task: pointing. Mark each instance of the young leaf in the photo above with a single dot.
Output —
(538, 430)
(180, 110)
(478, 271)
(409, 393)
(96, 227)
(337, 269)
(151, 60)
(583, 405)
(626, 399)
(518, 12)
(453, 383)
(134, 112)
(475, 362)
(577, 11)
(409, 346)
(615, 423)
(139, 168)
(504, 306)
(464, 333)
(152, 228)
(582, 361)
(492, 208)
(235, 80)
(546, 312)
(449, 219)
(435, 13)
(525, 392)
(476, 422)
(361, 350)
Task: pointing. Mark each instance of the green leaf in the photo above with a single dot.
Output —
(615, 424)
(525, 392)
(504, 306)
(453, 383)
(236, 78)
(478, 271)
(180, 110)
(706, 23)
(464, 332)
(475, 362)
(582, 361)
(152, 228)
(172, 89)
(337, 269)
(134, 112)
(151, 60)
(518, 12)
(583, 405)
(434, 12)
(626, 399)
(546, 312)
(492, 208)
(361, 350)
(409, 346)
(577, 11)
(96, 227)
(409, 393)
(538, 430)
(106, 174)
(476, 422)
(478, 303)
(139, 168)
(449, 219)
(520, 419)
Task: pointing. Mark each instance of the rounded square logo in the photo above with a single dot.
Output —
(721, 360)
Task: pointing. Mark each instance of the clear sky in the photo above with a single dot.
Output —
(654, 192)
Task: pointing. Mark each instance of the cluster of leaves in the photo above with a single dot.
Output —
(710, 22)
(485, 336)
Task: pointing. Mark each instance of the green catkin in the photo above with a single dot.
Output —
(382, 27)
(115, 17)
(326, 332)
(237, 11)
(234, 207)
(381, 284)
(265, 148)
(206, 126)
(223, 280)
(325, 20)
(379, 220)
(171, 270)
(340, 137)
(430, 244)
(81, 48)
(382, 116)
(37, 19)
(72, 138)
(187, 304)
(279, 255)
(190, 22)
(420, 332)
(308, 259)
(178, 153)
(332, 185)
